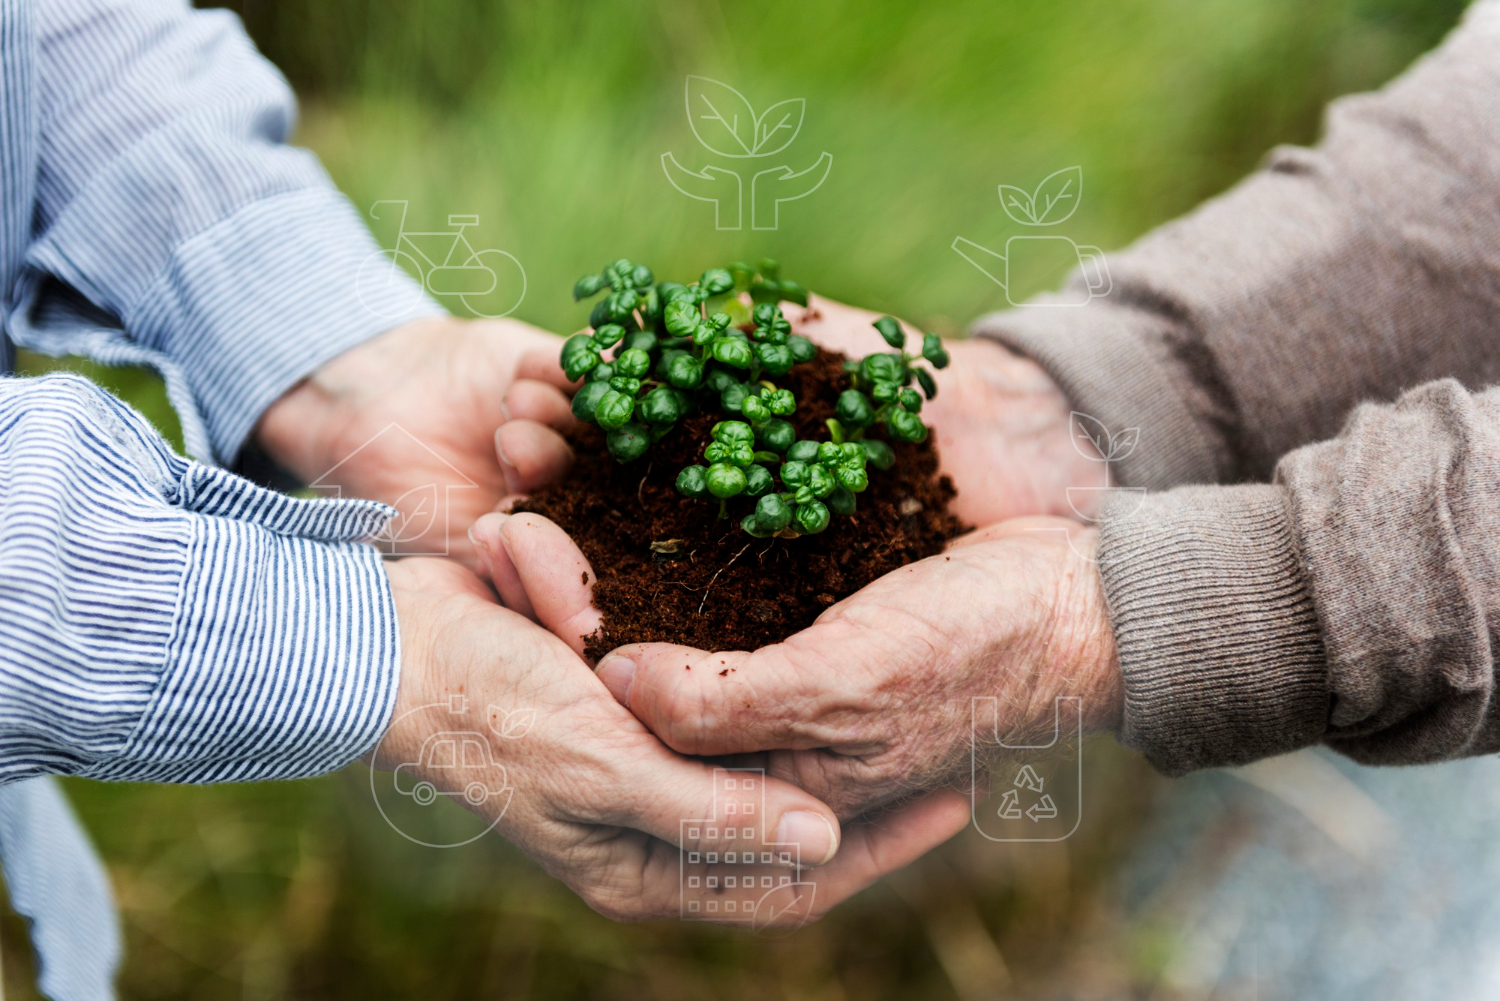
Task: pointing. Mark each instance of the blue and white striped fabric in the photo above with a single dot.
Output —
(161, 619)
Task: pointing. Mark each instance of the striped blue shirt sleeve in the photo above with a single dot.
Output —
(169, 203)
(163, 620)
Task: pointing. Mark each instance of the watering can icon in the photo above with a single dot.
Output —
(1037, 253)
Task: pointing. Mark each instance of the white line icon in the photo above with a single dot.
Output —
(728, 873)
(1050, 203)
(726, 124)
(1032, 807)
(489, 282)
(457, 763)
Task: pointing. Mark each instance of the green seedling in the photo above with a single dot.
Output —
(659, 351)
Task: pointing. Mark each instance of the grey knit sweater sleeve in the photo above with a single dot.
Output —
(1355, 598)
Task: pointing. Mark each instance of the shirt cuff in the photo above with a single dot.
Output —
(1218, 638)
(255, 303)
(1103, 356)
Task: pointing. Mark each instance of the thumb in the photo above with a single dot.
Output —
(538, 570)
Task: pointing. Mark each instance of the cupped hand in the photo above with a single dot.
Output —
(440, 418)
(598, 801)
(873, 701)
(1001, 424)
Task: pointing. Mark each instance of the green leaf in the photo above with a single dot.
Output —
(794, 473)
(640, 340)
(692, 481)
(659, 406)
(776, 435)
(781, 402)
(580, 362)
(905, 425)
(878, 453)
(793, 292)
(587, 399)
(911, 400)
(671, 292)
(933, 351)
(853, 409)
(775, 358)
(773, 513)
(733, 395)
(829, 453)
(625, 384)
(602, 372)
(803, 451)
(851, 479)
(588, 285)
(685, 371)
(885, 392)
(811, 517)
(751, 526)
(754, 409)
(880, 368)
(725, 481)
(717, 451)
(613, 410)
(742, 456)
(733, 433)
(629, 442)
(733, 351)
(633, 363)
(681, 317)
(716, 281)
(841, 502)
(929, 385)
(620, 304)
(758, 481)
(608, 336)
(820, 481)
(641, 277)
(891, 331)
(803, 350)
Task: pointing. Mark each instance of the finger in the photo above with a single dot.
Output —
(718, 885)
(538, 401)
(495, 564)
(542, 364)
(723, 703)
(531, 455)
(555, 575)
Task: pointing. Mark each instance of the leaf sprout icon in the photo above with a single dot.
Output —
(1053, 201)
(725, 122)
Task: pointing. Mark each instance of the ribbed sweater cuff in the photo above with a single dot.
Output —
(1099, 356)
(1218, 640)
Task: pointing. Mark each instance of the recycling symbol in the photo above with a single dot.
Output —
(1010, 803)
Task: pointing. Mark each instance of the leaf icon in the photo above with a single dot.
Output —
(1088, 429)
(721, 118)
(778, 125)
(417, 513)
(1056, 198)
(511, 725)
(1018, 205)
(1123, 443)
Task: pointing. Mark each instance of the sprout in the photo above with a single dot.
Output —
(659, 351)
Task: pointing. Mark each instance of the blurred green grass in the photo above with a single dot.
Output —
(548, 121)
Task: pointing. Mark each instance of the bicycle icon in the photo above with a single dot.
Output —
(480, 279)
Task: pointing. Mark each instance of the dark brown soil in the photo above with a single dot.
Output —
(718, 588)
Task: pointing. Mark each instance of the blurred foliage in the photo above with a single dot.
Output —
(548, 121)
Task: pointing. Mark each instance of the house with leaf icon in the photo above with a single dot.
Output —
(420, 527)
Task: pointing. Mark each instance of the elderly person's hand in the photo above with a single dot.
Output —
(440, 418)
(1001, 424)
(872, 702)
(599, 802)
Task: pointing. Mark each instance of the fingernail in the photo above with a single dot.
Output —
(481, 553)
(812, 833)
(500, 450)
(617, 673)
(504, 411)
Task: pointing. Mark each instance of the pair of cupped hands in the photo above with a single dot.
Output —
(861, 722)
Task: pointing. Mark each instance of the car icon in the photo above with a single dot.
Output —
(454, 753)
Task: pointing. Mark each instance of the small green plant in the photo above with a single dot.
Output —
(717, 346)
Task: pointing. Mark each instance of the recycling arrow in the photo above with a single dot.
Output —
(1027, 778)
(1010, 805)
(1042, 809)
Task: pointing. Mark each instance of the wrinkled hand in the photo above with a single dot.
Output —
(440, 418)
(1000, 422)
(872, 702)
(598, 801)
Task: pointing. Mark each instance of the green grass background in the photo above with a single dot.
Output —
(548, 121)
